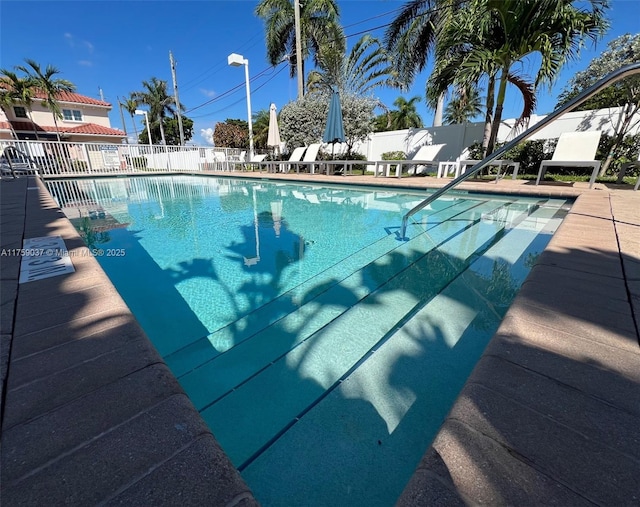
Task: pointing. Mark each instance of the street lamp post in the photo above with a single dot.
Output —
(140, 112)
(237, 60)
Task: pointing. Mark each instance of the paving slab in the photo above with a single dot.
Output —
(43, 440)
(548, 276)
(42, 364)
(26, 401)
(74, 329)
(585, 466)
(486, 472)
(599, 421)
(179, 487)
(10, 266)
(540, 324)
(590, 297)
(8, 296)
(607, 373)
(76, 306)
(71, 480)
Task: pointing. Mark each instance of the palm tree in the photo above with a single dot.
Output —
(367, 67)
(406, 116)
(260, 129)
(51, 87)
(464, 107)
(411, 37)
(17, 90)
(511, 30)
(319, 25)
(130, 105)
(485, 38)
(6, 103)
(159, 101)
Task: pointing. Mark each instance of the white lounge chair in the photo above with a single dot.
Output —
(255, 162)
(424, 156)
(284, 166)
(574, 149)
(309, 159)
(246, 165)
(220, 161)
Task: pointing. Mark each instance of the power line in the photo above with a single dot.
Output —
(237, 87)
(241, 99)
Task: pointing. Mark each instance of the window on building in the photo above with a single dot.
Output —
(72, 114)
(20, 112)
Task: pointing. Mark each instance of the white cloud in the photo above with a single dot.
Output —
(85, 63)
(207, 135)
(208, 93)
(68, 36)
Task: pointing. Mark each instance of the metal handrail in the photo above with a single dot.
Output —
(8, 150)
(621, 73)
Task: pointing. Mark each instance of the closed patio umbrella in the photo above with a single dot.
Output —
(334, 131)
(273, 138)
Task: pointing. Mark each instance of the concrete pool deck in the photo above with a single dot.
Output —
(550, 415)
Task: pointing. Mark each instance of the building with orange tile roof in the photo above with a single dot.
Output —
(85, 119)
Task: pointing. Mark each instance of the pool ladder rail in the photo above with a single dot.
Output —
(626, 71)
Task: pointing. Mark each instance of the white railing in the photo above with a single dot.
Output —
(68, 158)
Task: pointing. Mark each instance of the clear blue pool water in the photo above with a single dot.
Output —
(322, 350)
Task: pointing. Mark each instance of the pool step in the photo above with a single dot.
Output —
(315, 355)
(204, 349)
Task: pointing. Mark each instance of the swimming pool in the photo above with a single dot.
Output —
(322, 350)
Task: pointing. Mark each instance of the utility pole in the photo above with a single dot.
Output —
(296, 6)
(175, 94)
(124, 125)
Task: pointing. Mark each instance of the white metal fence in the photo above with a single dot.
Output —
(68, 158)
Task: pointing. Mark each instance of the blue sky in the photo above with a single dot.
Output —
(115, 45)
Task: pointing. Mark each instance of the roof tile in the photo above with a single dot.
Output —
(87, 128)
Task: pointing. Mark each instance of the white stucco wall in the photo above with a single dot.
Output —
(459, 137)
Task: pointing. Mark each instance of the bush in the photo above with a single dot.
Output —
(528, 153)
(628, 152)
(394, 155)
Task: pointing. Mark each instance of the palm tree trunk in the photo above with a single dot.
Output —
(488, 120)
(164, 141)
(133, 121)
(55, 122)
(497, 117)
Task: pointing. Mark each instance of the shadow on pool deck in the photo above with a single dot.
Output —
(550, 414)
